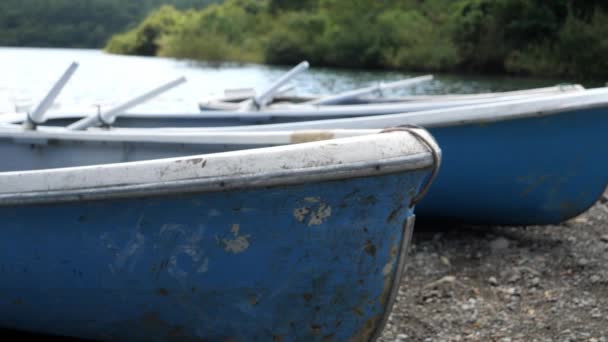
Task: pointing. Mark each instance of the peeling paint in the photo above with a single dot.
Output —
(387, 268)
(239, 243)
(125, 258)
(189, 244)
(320, 216)
(300, 213)
(312, 199)
(316, 214)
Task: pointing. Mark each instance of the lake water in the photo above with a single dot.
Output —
(26, 74)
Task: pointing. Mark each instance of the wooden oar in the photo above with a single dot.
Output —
(37, 116)
(351, 94)
(108, 117)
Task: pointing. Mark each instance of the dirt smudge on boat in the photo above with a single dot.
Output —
(309, 136)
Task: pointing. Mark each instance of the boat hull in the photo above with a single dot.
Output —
(299, 262)
(536, 170)
(524, 171)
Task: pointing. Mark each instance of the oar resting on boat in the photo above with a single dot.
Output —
(245, 245)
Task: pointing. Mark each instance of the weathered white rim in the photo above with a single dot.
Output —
(368, 155)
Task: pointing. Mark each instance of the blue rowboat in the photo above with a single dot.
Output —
(525, 162)
(298, 242)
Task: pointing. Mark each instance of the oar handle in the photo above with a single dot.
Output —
(37, 116)
(266, 97)
(351, 94)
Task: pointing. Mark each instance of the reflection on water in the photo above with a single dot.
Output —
(26, 74)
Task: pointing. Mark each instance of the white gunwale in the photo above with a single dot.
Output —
(362, 156)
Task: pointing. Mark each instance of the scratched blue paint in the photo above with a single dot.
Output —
(235, 265)
(539, 170)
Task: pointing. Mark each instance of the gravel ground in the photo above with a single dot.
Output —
(545, 283)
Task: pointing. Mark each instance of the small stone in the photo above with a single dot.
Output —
(535, 281)
(604, 238)
(514, 278)
(499, 244)
(583, 262)
(509, 291)
(595, 279)
(580, 220)
(596, 313)
(444, 280)
(402, 337)
(493, 281)
(445, 260)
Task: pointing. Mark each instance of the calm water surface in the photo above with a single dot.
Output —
(26, 74)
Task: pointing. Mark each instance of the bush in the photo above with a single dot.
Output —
(515, 36)
(411, 41)
(575, 53)
(225, 32)
(296, 36)
(145, 38)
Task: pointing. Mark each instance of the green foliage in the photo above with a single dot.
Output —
(145, 38)
(297, 37)
(71, 23)
(532, 37)
(412, 41)
(576, 51)
(507, 36)
(291, 5)
(217, 33)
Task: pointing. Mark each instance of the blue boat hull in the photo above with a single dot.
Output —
(526, 171)
(539, 170)
(304, 262)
